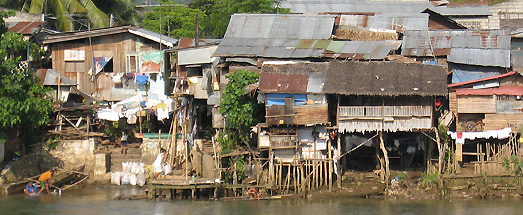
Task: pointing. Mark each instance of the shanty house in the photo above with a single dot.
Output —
(384, 97)
(112, 63)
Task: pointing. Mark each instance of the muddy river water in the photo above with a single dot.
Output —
(98, 200)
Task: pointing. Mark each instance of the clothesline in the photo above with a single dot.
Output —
(460, 137)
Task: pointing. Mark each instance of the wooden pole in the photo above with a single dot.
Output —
(386, 157)
(329, 175)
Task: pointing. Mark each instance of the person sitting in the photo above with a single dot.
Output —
(253, 193)
(45, 179)
(158, 163)
(31, 189)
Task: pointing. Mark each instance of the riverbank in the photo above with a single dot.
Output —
(99, 200)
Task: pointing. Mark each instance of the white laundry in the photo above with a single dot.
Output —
(460, 137)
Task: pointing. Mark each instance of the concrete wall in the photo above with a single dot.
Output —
(151, 148)
(75, 153)
(505, 10)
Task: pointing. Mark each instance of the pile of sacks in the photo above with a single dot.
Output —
(132, 173)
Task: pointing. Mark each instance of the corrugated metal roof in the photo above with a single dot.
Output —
(282, 26)
(51, 78)
(369, 49)
(196, 55)
(362, 6)
(168, 41)
(501, 90)
(69, 36)
(476, 10)
(25, 27)
(189, 42)
(316, 82)
(283, 83)
(389, 21)
(430, 43)
(305, 6)
(483, 57)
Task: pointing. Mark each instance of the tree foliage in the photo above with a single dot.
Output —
(66, 11)
(240, 110)
(22, 102)
(176, 21)
(219, 12)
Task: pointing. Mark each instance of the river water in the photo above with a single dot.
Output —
(98, 200)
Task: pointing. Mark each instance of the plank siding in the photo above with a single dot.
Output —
(297, 114)
(503, 120)
(453, 102)
(476, 104)
(115, 45)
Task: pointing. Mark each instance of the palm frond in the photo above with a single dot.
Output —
(98, 18)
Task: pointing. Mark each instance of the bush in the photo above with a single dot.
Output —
(429, 179)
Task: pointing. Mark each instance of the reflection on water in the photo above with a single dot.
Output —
(98, 200)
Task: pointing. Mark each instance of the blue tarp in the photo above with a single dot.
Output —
(462, 73)
(279, 99)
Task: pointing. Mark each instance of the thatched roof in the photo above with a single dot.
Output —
(385, 79)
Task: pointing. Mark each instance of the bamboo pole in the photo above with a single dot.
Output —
(386, 157)
(329, 175)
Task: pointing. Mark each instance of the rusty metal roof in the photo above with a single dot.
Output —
(475, 47)
(25, 27)
(189, 42)
(283, 83)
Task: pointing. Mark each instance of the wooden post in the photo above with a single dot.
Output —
(386, 157)
(440, 151)
(339, 163)
(271, 167)
(329, 174)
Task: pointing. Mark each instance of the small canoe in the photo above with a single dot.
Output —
(61, 179)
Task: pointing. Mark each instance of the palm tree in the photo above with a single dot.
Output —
(64, 12)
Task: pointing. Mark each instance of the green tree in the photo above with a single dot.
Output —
(66, 11)
(124, 12)
(240, 110)
(176, 21)
(219, 12)
(22, 98)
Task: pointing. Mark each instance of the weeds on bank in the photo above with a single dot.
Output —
(429, 179)
(513, 160)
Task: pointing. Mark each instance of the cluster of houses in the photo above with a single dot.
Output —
(347, 85)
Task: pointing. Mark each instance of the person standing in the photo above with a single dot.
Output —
(45, 180)
(158, 163)
(123, 142)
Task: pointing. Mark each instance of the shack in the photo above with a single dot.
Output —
(295, 131)
(113, 63)
(395, 102)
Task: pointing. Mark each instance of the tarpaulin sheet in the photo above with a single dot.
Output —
(462, 73)
(279, 99)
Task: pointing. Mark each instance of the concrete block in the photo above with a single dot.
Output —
(101, 164)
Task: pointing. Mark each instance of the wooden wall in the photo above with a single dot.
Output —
(116, 46)
(503, 120)
(297, 114)
(476, 104)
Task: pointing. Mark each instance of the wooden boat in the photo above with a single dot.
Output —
(62, 179)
